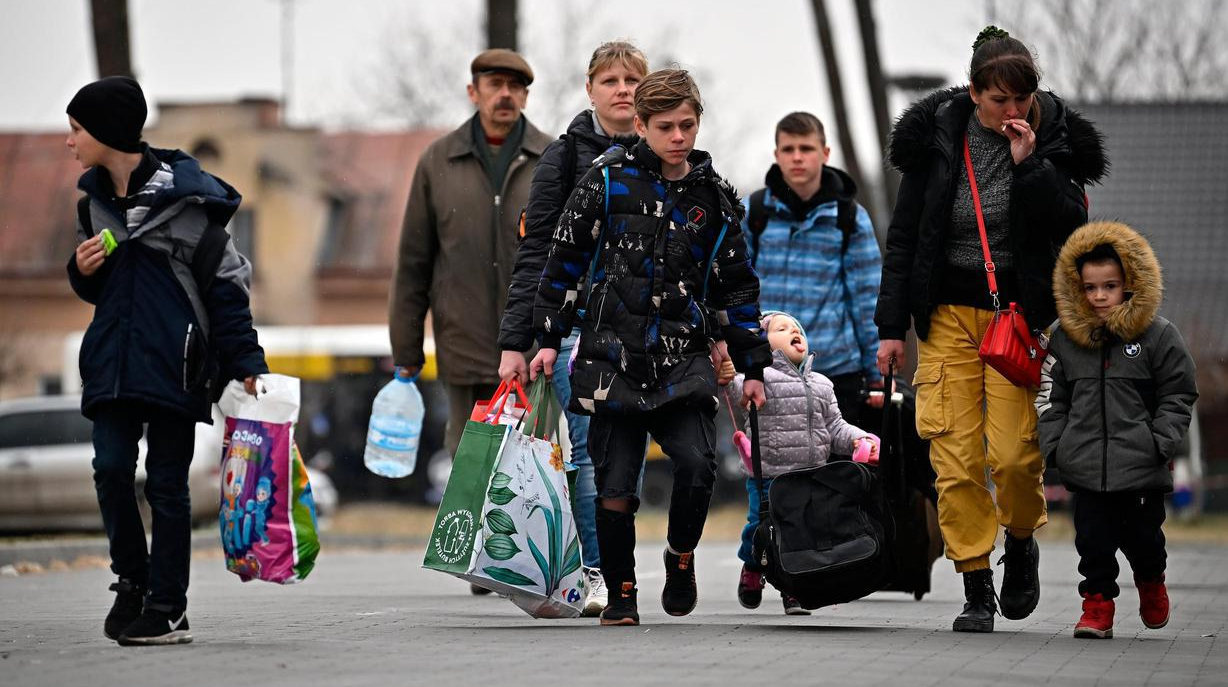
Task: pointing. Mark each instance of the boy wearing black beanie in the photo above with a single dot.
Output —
(171, 325)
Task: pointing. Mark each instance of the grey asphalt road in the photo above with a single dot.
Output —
(378, 618)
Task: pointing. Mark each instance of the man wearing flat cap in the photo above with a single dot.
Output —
(458, 241)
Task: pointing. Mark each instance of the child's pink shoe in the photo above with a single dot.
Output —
(742, 443)
(865, 450)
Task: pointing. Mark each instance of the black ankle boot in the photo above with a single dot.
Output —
(979, 608)
(1020, 579)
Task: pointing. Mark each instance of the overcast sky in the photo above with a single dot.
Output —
(757, 60)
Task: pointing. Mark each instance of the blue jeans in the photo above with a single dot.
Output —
(164, 567)
(586, 486)
(752, 520)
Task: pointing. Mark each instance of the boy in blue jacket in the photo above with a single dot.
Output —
(171, 325)
(814, 249)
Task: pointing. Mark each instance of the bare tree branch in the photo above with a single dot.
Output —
(109, 19)
(835, 86)
(1127, 50)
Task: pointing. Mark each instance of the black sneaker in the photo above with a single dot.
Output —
(622, 608)
(792, 605)
(129, 600)
(980, 607)
(680, 594)
(1020, 579)
(478, 591)
(157, 627)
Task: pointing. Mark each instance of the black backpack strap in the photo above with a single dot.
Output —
(756, 460)
(756, 221)
(846, 221)
(83, 216)
(208, 256)
(569, 164)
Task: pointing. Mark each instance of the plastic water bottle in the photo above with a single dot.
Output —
(396, 425)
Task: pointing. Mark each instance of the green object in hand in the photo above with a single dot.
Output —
(108, 241)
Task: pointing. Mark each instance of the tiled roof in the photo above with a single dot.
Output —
(370, 175)
(370, 172)
(38, 193)
(1169, 180)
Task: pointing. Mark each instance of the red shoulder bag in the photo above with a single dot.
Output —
(1008, 345)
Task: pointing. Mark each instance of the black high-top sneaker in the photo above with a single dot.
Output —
(680, 593)
(980, 607)
(156, 627)
(129, 600)
(622, 608)
(750, 587)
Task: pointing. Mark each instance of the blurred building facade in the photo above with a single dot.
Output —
(320, 220)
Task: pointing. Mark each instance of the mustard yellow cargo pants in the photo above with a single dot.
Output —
(974, 419)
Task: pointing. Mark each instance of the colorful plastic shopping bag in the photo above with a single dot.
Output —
(267, 517)
(505, 522)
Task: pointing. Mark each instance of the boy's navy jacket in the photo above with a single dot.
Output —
(154, 337)
(671, 273)
(803, 271)
(1115, 397)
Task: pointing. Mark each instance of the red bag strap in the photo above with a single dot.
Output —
(990, 268)
(1025, 334)
(505, 388)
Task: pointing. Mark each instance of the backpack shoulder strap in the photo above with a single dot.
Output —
(756, 221)
(846, 221)
(569, 164)
(208, 256)
(83, 216)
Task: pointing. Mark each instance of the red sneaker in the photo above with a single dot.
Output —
(1152, 602)
(1097, 620)
(750, 588)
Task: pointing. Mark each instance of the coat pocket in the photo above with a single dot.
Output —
(1027, 424)
(195, 359)
(933, 400)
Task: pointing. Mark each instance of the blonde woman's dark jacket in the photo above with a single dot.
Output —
(1115, 397)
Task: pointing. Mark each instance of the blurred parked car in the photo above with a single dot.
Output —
(46, 472)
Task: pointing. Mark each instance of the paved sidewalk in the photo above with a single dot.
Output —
(377, 618)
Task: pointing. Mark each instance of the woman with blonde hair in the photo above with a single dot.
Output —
(614, 71)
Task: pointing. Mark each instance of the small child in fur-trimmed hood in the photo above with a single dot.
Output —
(1115, 399)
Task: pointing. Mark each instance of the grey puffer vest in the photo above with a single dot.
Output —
(800, 426)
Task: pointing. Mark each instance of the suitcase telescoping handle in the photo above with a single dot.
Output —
(889, 452)
(756, 461)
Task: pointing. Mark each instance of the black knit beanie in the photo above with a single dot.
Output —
(113, 111)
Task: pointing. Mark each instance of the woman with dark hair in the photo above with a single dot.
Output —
(1029, 155)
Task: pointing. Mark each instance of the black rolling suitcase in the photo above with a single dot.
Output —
(824, 536)
(908, 481)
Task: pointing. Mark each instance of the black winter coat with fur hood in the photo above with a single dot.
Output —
(1047, 204)
(1116, 396)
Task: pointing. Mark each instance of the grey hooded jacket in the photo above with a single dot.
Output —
(801, 425)
(1115, 397)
